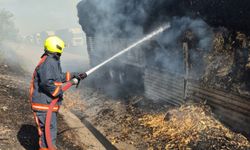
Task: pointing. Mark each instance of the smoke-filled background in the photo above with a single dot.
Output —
(206, 48)
(21, 21)
(112, 25)
(34, 16)
(147, 14)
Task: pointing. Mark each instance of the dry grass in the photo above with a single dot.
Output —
(73, 100)
(188, 126)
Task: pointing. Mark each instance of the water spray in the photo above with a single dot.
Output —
(148, 37)
(84, 75)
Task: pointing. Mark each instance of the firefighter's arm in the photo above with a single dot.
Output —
(67, 76)
(49, 76)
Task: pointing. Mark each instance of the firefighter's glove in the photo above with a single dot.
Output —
(80, 75)
(76, 80)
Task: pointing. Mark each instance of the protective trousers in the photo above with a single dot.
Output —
(40, 118)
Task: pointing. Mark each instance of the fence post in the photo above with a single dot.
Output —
(186, 68)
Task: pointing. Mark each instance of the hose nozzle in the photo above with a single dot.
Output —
(74, 81)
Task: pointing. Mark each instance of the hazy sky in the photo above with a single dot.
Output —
(32, 16)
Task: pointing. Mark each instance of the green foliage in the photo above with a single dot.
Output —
(7, 26)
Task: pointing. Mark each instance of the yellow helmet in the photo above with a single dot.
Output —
(54, 44)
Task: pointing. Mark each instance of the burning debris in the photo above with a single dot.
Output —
(143, 124)
(227, 63)
(190, 127)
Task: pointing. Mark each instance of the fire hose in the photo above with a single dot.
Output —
(84, 75)
(48, 118)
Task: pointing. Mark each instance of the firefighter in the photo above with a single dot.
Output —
(46, 85)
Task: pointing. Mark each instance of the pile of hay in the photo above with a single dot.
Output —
(188, 127)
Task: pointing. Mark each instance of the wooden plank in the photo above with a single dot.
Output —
(224, 93)
(236, 115)
(235, 118)
(225, 104)
(222, 98)
(233, 122)
(186, 68)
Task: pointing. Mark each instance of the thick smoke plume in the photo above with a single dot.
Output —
(116, 24)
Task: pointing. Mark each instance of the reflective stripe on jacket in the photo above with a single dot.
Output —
(46, 83)
(43, 107)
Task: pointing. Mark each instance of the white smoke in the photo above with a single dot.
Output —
(117, 24)
(33, 16)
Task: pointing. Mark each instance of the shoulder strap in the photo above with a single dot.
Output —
(41, 62)
(34, 74)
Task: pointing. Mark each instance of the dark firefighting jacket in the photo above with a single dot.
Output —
(46, 83)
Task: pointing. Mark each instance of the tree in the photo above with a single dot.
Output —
(7, 26)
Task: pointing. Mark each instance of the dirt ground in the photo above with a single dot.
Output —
(139, 123)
